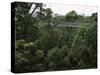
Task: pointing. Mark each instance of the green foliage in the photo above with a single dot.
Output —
(71, 16)
(43, 45)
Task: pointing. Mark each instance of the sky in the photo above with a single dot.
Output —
(62, 9)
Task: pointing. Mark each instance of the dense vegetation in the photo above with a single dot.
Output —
(46, 42)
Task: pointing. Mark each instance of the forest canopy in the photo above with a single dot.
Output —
(48, 42)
